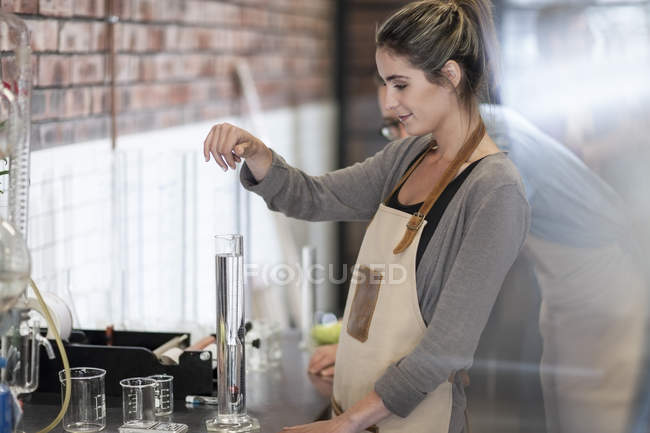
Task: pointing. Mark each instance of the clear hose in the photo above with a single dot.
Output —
(64, 358)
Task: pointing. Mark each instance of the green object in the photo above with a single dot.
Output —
(326, 334)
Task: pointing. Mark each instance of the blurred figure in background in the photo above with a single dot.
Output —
(594, 294)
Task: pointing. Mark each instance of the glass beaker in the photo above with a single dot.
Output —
(138, 401)
(231, 364)
(87, 409)
(164, 393)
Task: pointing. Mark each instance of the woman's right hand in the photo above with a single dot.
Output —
(322, 360)
(228, 144)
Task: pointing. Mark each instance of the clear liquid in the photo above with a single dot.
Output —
(231, 386)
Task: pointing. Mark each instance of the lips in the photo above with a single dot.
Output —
(404, 117)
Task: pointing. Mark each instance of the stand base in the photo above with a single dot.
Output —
(230, 424)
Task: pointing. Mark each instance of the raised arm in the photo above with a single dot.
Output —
(352, 193)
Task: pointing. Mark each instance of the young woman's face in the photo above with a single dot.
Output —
(420, 105)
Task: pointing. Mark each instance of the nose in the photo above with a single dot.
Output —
(391, 102)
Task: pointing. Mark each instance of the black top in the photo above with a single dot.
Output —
(435, 214)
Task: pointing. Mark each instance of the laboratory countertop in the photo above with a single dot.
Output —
(282, 396)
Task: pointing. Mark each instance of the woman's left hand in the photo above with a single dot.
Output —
(339, 424)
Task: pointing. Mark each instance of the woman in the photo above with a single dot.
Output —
(446, 208)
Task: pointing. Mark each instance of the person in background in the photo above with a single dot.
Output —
(594, 293)
(446, 209)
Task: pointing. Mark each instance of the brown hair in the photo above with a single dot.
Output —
(429, 33)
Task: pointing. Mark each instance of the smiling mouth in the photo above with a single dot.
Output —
(403, 118)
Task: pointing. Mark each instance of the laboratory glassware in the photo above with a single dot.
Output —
(20, 348)
(15, 97)
(87, 410)
(164, 393)
(138, 401)
(231, 361)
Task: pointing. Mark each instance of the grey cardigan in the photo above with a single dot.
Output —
(460, 273)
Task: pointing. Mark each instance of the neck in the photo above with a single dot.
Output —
(454, 131)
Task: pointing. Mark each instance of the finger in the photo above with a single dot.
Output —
(206, 145)
(327, 372)
(236, 158)
(318, 367)
(318, 354)
(315, 361)
(244, 149)
(214, 148)
(228, 140)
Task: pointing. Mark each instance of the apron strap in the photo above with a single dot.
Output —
(418, 217)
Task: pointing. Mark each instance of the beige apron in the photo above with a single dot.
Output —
(382, 322)
(592, 322)
(394, 329)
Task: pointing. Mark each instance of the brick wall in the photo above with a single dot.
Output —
(174, 61)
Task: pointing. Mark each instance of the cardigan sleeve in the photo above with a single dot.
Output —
(489, 247)
(351, 193)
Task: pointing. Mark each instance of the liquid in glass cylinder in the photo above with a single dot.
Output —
(231, 385)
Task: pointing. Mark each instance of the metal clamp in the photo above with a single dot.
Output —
(417, 226)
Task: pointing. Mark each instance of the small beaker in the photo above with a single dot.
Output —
(164, 394)
(87, 409)
(138, 401)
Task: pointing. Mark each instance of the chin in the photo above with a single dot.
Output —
(415, 131)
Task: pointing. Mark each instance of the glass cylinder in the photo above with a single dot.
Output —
(231, 365)
(87, 409)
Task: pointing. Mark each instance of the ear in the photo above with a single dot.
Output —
(452, 71)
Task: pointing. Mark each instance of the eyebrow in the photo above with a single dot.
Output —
(392, 77)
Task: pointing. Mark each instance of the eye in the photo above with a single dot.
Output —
(400, 86)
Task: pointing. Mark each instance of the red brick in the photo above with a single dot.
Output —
(155, 38)
(253, 17)
(100, 100)
(78, 102)
(43, 34)
(19, 6)
(89, 8)
(47, 104)
(90, 129)
(54, 70)
(143, 10)
(202, 12)
(162, 67)
(39, 105)
(131, 37)
(59, 8)
(170, 10)
(75, 37)
(99, 35)
(88, 69)
(123, 9)
(127, 68)
(53, 134)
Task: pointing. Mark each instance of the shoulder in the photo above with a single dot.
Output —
(495, 178)
(398, 154)
(405, 148)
